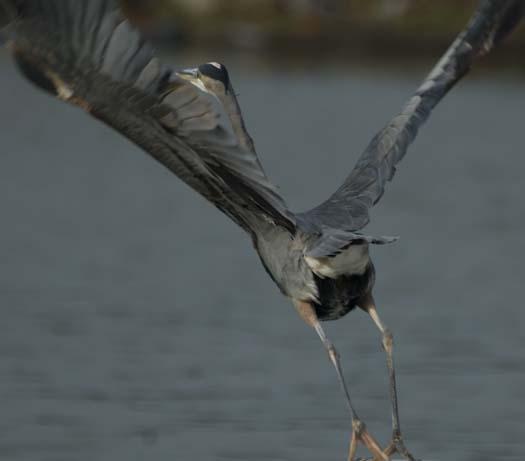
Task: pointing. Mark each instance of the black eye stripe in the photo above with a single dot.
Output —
(216, 72)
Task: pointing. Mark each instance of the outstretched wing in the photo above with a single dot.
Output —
(85, 52)
(348, 208)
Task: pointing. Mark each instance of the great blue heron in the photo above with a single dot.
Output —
(86, 53)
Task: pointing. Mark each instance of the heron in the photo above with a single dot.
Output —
(85, 52)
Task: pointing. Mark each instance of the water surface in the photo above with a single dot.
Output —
(137, 322)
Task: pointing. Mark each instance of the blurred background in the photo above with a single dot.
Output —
(138, 324)
(320, 29)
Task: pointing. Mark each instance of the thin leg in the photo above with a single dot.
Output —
(396, 445)
(359, 431)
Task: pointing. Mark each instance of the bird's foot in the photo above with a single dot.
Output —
(397, 445)
(360, 434)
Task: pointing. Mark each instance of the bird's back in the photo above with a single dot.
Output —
(333, 297)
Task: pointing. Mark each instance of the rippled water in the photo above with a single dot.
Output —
(137, 322)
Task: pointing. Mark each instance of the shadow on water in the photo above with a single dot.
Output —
(138, 324)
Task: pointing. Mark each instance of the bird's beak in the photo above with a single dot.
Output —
(192, 73)
(193, 77)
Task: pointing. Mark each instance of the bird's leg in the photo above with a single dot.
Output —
(396, 445)
(359, 430)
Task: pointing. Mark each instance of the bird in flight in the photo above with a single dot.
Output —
(86, 53)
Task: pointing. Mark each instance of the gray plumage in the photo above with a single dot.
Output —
(349, 207)
(85, 52)
(90, 47)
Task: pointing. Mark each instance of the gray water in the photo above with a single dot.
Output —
(138, 324)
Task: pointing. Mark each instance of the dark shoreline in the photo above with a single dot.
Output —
(360, 30)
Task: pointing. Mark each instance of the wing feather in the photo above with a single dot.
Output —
(89, 54)
(349, 207)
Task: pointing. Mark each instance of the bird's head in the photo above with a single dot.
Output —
(214, 74)
(212, 77)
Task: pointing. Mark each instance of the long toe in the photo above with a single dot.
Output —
(360, 434)
(398, 446)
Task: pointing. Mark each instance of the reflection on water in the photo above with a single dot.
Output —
(138, 324)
